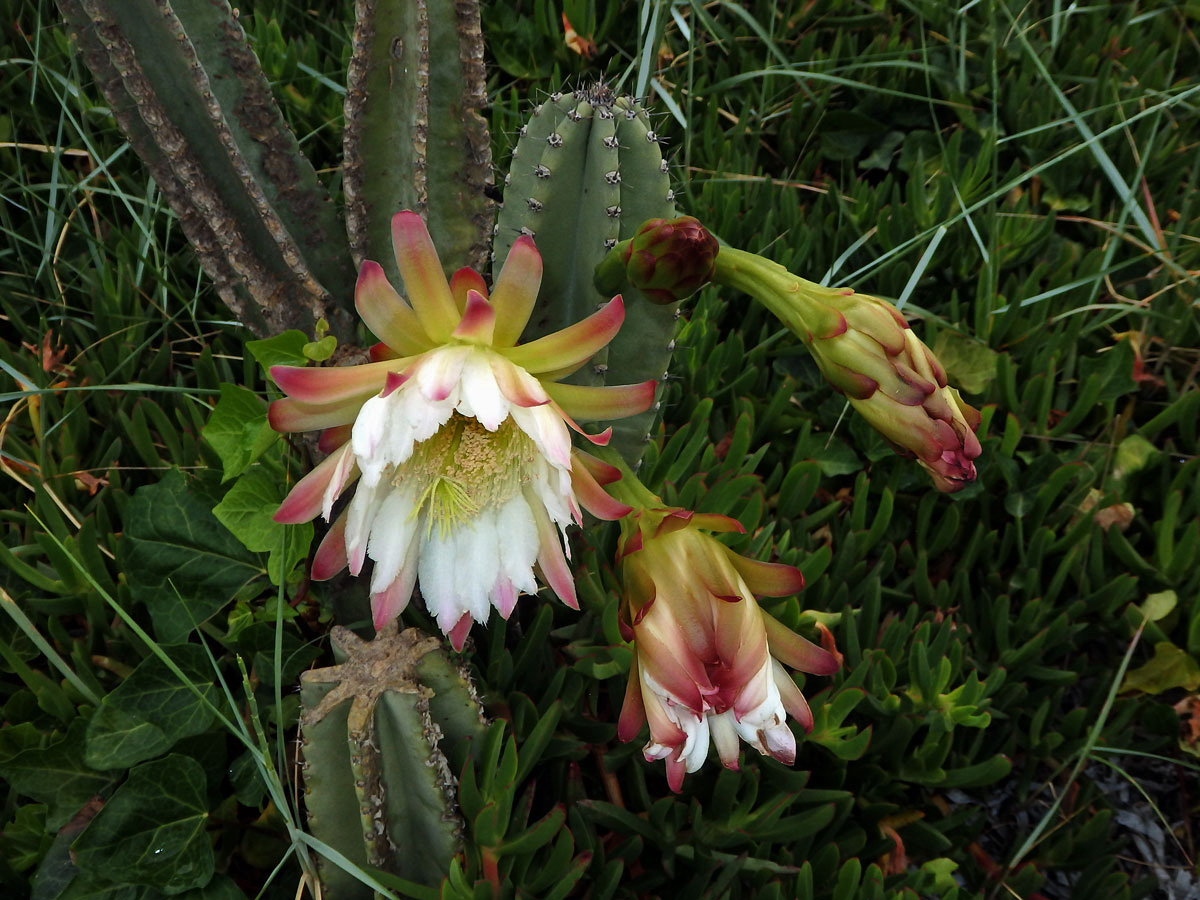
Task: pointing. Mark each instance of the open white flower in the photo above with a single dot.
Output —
(457, 435)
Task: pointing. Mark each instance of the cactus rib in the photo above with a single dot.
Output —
(186, 89)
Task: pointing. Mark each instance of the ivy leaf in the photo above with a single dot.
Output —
(247, 511)
(180, 561)
(238, 429)
(151, 709)
(152, 831)
(285, 349)
(52, 772)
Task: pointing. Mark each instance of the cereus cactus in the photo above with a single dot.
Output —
(586, 172)
(382, 735)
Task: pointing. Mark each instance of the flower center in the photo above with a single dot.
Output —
(464, 469)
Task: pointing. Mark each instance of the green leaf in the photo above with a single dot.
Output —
(247, 512)
(238, 429)
(970, 364)
(285, 349)
(1159, 606)
(1170, 668)
(151, 709)
(1134, 453)
(180, 561)
(319, 351)
(52, 772)
(152, 831)
(832, 454)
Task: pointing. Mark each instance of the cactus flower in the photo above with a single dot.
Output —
(667, 260)
(865, 349)
(457, 436)
(708, 660)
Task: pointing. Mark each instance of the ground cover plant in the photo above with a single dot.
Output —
(1015, 713)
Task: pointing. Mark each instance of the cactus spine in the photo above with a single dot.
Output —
(376, 730)
(586, 172)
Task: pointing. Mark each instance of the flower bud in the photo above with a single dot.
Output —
(865, 349)
(669, 259)
(896, 383)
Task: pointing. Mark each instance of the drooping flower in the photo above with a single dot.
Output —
(457, 435)
(708, 660)
(865, 349)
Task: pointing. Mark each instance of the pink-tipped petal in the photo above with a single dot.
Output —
(793, 701)
(310, 384)
(304, 502)
(464, 280)
(478, 320)
(553, 562)
(594, 498)
(332, 438)
(573, 345)
(504, 596)
(458, 634)
(717, 522)
(385, 312)
(633, 710)
(381, 351)
(767, 579)
(795, 651)
(516, 290)
(290, 415)
(517, 385)
(394, 380)
(676, 769)
(593, 403)
(424, 281)
(600, 440)
(330, 557)
(389, 603)
(600, 470)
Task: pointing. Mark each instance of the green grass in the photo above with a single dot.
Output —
(1021, 178)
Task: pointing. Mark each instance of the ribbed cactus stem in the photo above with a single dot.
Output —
(586, 172)
(378, 786)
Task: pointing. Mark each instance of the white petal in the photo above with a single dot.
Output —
(364, 507)
(518, 543)
(368, 435)
(438, 373)
(436, 572)
(725, 737)
(478, 564)
(548, 432)
(481, 395)
(392, 533)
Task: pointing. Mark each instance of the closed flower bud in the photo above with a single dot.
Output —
(865, 349)
(667, 259)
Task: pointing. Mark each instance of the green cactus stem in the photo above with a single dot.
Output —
(586, 172)
(186, 89)
(414, 139)
(378, 785)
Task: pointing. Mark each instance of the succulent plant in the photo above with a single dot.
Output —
(587, 171)
(382, 732)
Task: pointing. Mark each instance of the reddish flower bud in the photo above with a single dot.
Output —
(670, 259)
